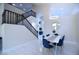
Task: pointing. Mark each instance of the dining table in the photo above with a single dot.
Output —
(54, 39)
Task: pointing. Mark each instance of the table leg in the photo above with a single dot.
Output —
(56, 49)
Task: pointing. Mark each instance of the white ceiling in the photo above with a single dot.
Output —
(23, 6)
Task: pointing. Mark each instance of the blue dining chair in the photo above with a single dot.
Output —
(59, 44)
(61, 41)
(46, 43)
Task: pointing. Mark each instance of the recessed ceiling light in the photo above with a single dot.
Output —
(14, 4)
(21, 4)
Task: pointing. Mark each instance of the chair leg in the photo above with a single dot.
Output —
(58, 50)
(62, 47)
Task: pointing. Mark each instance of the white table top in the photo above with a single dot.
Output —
(54, 39)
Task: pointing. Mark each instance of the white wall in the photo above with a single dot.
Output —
(42, 11)
(68, 27)
(67, 19)
(1, 12)
(77, 25)
(15, 35)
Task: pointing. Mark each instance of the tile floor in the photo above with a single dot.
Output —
(33, 48)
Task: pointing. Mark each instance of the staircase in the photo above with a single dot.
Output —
(20, 19)
(29, 13)
(27, 24)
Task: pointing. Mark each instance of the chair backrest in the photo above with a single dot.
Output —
(46, 44)
(61, 41)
